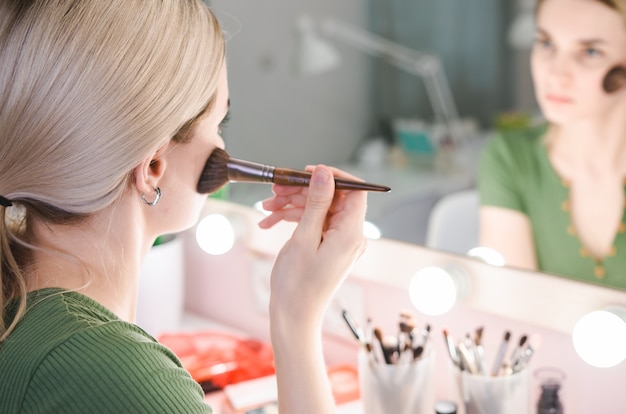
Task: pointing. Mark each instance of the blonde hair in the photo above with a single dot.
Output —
(618, 5)
(87, 90)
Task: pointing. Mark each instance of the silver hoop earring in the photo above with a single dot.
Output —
(157, 197)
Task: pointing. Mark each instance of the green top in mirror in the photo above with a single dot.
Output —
(516, 174)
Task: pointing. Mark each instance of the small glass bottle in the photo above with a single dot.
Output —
(550, 382)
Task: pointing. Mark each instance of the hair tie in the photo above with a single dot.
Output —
(5, 201)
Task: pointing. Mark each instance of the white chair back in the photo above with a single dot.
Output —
(453, 222)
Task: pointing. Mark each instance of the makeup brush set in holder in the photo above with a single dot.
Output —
(503, 386)
(395, 370)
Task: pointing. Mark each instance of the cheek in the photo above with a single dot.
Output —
(192, 163)
(538, 72)
(591, 91)
(201, 151)
(536, 63)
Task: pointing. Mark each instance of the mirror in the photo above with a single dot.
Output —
(283, 119)
(556, 304)
(546, 308)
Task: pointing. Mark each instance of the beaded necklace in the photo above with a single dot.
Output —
(599, 270)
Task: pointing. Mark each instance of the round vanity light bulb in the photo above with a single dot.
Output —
(371, 231)
(259, 207)
(488, 255)
(600, 338)
(215, 234)
(432, 291)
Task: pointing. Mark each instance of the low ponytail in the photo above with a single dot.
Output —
(12, 280)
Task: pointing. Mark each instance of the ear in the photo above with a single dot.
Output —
(150, 171)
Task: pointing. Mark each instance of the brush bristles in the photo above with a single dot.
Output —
(615, 79)
(215, 173)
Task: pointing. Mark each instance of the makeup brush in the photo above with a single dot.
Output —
(354, 327)
(518, 350)
(220, 168)
(467, 357)
(522, 361)
(479, 351)
(615, 79)
(378, 334)
(454, 356)
(497, 364)
(417, 352)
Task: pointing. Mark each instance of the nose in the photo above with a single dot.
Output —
(559, 68)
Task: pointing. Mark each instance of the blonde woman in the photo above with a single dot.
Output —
(108, 112)
(553, 197)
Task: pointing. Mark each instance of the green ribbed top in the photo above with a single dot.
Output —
(69, 354)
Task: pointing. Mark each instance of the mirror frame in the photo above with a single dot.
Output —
(545, 300)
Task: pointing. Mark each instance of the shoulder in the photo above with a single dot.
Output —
(117, 351)
(116, 367)
(510, 162)
(516, 144)
(520, 153)
(71, 355)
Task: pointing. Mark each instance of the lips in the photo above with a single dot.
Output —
(559, 99)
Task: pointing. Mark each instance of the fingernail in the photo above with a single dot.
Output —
(321, 176)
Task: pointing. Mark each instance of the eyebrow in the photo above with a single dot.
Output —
(584, 42)
(592, 42)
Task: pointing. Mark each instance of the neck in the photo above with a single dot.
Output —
(99, 257)
(597, 146)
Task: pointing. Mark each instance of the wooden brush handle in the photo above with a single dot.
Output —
(286, 176)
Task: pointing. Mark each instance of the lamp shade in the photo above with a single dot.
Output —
(522, 31)
(312, 53)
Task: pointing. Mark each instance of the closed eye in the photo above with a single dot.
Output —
(593, 48)
(223, 123)
(543, 43)
(592, 52)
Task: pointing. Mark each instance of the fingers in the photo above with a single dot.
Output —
(287, 190)
(318, 202)
(285, 195)
(289, 202)
(346, 225)
(336, 172)
(288, 214)
(278, 202)
(287, 208)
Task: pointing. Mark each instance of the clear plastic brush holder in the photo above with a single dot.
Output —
(402, 388)
(484, 394)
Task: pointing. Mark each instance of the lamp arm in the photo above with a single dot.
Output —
(443, 104)
(404, 57)
(424, 65)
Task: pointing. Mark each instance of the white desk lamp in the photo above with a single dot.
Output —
(521, 33)
(315, 55)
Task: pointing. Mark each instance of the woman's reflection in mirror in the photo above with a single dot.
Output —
(552, 195)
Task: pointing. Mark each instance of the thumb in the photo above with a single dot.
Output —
(320, 196)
